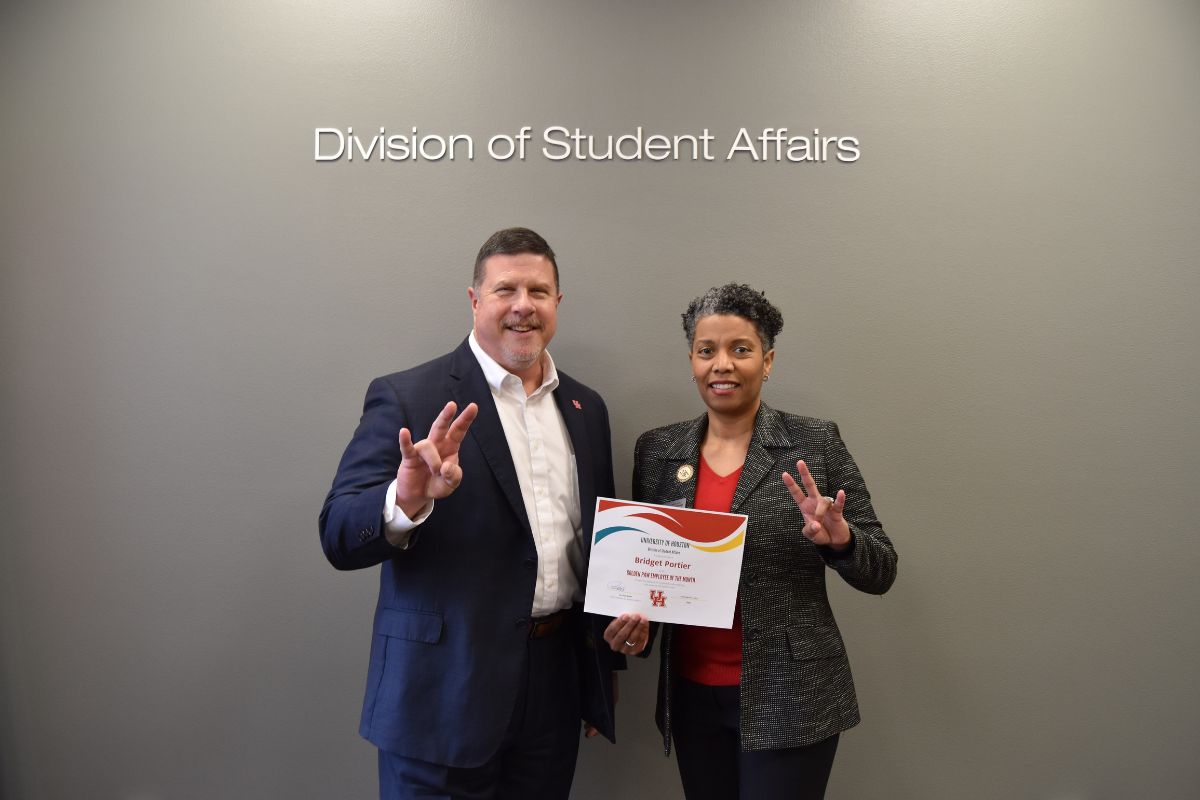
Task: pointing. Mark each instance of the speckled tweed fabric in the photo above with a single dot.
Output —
(796, 685)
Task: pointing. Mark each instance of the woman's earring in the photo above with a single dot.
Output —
(766, 378)
(693, 379)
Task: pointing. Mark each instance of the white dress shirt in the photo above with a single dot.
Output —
(541, 451)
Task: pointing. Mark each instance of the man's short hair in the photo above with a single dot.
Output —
(511, 242)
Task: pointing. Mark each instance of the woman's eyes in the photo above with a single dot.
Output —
(740, 350)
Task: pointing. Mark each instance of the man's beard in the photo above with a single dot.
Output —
(523, 358)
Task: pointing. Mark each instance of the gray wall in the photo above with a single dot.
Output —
(996, 302)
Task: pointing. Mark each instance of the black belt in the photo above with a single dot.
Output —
(548, 625)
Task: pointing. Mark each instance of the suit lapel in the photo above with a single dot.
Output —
(468, 385)
(769, 432)
(681, 463)
(573, 416)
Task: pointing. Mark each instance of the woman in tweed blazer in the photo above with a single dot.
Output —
(774, 731)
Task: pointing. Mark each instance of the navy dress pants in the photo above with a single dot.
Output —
(537, 756)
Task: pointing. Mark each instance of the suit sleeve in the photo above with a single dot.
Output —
(871, 564)
(606, 485)
(351, 521)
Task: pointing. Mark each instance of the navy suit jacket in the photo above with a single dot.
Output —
(450, 632)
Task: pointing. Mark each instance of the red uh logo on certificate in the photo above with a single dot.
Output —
(643, 552)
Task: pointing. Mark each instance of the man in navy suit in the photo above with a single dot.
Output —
(472, 480)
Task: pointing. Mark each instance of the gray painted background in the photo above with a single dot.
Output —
(997, 303)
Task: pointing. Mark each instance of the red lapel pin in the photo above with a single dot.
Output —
(577, 404)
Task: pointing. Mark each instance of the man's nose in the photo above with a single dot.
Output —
(522, 302)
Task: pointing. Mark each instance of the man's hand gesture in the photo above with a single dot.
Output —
(429, 469)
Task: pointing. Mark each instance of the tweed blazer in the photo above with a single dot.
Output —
(796, 687)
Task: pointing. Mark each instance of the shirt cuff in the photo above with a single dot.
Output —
(397, 527)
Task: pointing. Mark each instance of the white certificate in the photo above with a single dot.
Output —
(671, 564)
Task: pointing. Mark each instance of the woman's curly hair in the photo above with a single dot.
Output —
(739, 300)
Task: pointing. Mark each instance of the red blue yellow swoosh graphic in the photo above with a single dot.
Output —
(702, 530)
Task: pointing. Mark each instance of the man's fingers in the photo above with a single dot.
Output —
(428, 453)
(458, 429)
(407, 451)
(451, 474)
(442, 424)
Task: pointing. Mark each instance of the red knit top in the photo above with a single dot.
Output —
(711, 656)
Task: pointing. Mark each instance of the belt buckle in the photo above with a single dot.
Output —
(546, 625)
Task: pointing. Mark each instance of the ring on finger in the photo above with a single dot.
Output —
(629, 643)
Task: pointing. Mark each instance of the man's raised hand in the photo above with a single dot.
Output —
(429, 468)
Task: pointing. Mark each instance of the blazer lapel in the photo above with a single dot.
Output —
(769, 432)
(681, 465)
(467, 385)
(572, 415)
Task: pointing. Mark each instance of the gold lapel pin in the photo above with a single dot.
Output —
(684, 473)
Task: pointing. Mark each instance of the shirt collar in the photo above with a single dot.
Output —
(497, 376)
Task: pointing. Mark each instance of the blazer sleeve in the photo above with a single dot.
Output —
(871, 564)
(351, 520)
(639, 495)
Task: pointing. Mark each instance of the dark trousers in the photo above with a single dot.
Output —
(537, 755)
(712, 764)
